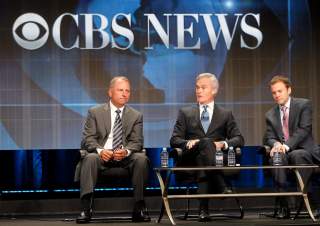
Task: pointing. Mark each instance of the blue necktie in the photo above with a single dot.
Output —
(117, 132)
(205, 119)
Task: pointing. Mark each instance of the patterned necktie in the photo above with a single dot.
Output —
(285, 122)
(205, 120)
(117, 132)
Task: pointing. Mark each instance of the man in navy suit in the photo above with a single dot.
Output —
(200, 130)
(289, 131)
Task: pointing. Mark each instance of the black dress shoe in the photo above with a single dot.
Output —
(86, 205)
(85, 217)
(204, 215)
(283, 213)
(140, 213)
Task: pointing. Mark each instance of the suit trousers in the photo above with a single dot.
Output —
(295, 157)
(92, 168)
(204, 155)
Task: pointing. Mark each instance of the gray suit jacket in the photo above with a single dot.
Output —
(222, 127)
(98, 126)
(300, 127)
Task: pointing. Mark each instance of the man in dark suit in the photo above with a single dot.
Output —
(289, 131)
(113, 137)
(200, 130)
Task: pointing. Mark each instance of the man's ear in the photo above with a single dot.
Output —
(214, 92)
(109, 93)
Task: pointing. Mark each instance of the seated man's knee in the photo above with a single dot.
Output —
(91, 158)
(205, 143)
(300, 156)
(140, 159)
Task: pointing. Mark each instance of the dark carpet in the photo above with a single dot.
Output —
(251, 219)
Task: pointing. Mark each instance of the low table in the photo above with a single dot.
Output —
(164, 185)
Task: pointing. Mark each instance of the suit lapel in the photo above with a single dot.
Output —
(125, 118)
(292, 114)
(196, 113)
(277, 122)
(107, 118)
(214, 118)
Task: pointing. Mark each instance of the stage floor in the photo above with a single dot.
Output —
(250, 219)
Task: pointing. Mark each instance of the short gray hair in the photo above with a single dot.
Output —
(114, 79)
(212, 77)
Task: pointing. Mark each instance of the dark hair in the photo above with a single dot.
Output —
(280, 78)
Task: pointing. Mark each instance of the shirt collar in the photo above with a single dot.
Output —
(114, 108)
(210, 105)
(286, 104)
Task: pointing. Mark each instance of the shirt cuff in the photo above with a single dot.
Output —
(276, 144)
(99, 150)
(286, 147)
(128, 152)
(226, 146)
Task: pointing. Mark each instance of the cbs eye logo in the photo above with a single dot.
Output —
(30, 31)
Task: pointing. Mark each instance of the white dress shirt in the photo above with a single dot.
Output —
(108, 144)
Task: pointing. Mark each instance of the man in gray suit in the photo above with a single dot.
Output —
(200, 130)
(289, 131)
(113, 137)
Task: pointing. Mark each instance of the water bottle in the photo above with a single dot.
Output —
(219, 157)
(277, 156)
(276, 159)
(164, 157)
(231, 157)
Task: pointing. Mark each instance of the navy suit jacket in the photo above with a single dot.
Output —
(222, 127)
(300, 127)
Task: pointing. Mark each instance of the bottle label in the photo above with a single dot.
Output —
(277, 161)
(164, 158)
(219, 159)
(231, 158)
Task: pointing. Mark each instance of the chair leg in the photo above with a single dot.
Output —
(168, 176)
(186, 213)
(275, 208)
(161, 213)
(240, 208)
(298, 209)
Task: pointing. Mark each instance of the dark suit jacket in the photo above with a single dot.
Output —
(222, 127)
(300, 127)
(98, 126)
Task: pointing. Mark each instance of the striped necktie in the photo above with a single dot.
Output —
(117, 132)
